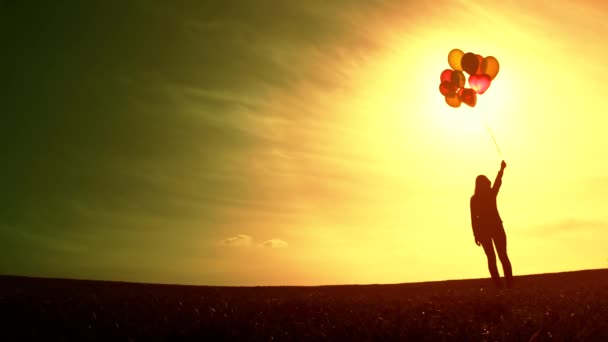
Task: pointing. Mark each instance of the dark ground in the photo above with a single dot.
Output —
(569, 306)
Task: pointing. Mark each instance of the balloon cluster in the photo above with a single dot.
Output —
(481, 73)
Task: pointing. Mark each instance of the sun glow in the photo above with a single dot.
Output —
(411, 89)
(381, 168)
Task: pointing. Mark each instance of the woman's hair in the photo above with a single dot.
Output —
(482, 185)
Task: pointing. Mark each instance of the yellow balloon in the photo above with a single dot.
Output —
(454, 58)
(490, 66)
(453, 100)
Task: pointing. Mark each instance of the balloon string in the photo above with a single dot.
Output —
(494, 139)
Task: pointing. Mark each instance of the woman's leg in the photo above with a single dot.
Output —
(489, 249)
(500, 240)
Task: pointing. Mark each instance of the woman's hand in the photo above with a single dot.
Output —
(477, 242)
(503, 165)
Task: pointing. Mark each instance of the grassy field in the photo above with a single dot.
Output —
(569, 306)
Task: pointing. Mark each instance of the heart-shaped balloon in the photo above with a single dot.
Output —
(446, 87)
(490, 66)
(458, 79)
(453, 100)
(470, 63)
(480, 59)
(468, 96)
(480, 83)
(446, 75)
(454, 59)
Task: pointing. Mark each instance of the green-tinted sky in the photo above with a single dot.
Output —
(130, 128)
(281, 142)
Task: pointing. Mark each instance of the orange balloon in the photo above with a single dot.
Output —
(455, 58)
(453, 100)
(458, 79)
(490, 66)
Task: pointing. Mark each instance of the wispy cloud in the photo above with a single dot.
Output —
(240, 240)
(274, 243)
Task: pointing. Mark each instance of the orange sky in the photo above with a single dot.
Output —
(377, 171)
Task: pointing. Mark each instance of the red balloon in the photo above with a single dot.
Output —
(480, 83)
(480, 59)
(446, 75)
(470, 63)
(468, 96)
(446, 87)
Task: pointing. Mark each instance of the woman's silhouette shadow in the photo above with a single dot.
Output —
(487, 225)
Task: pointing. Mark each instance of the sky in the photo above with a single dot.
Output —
(297, 143)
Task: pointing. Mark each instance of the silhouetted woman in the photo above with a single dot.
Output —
(487, 225)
